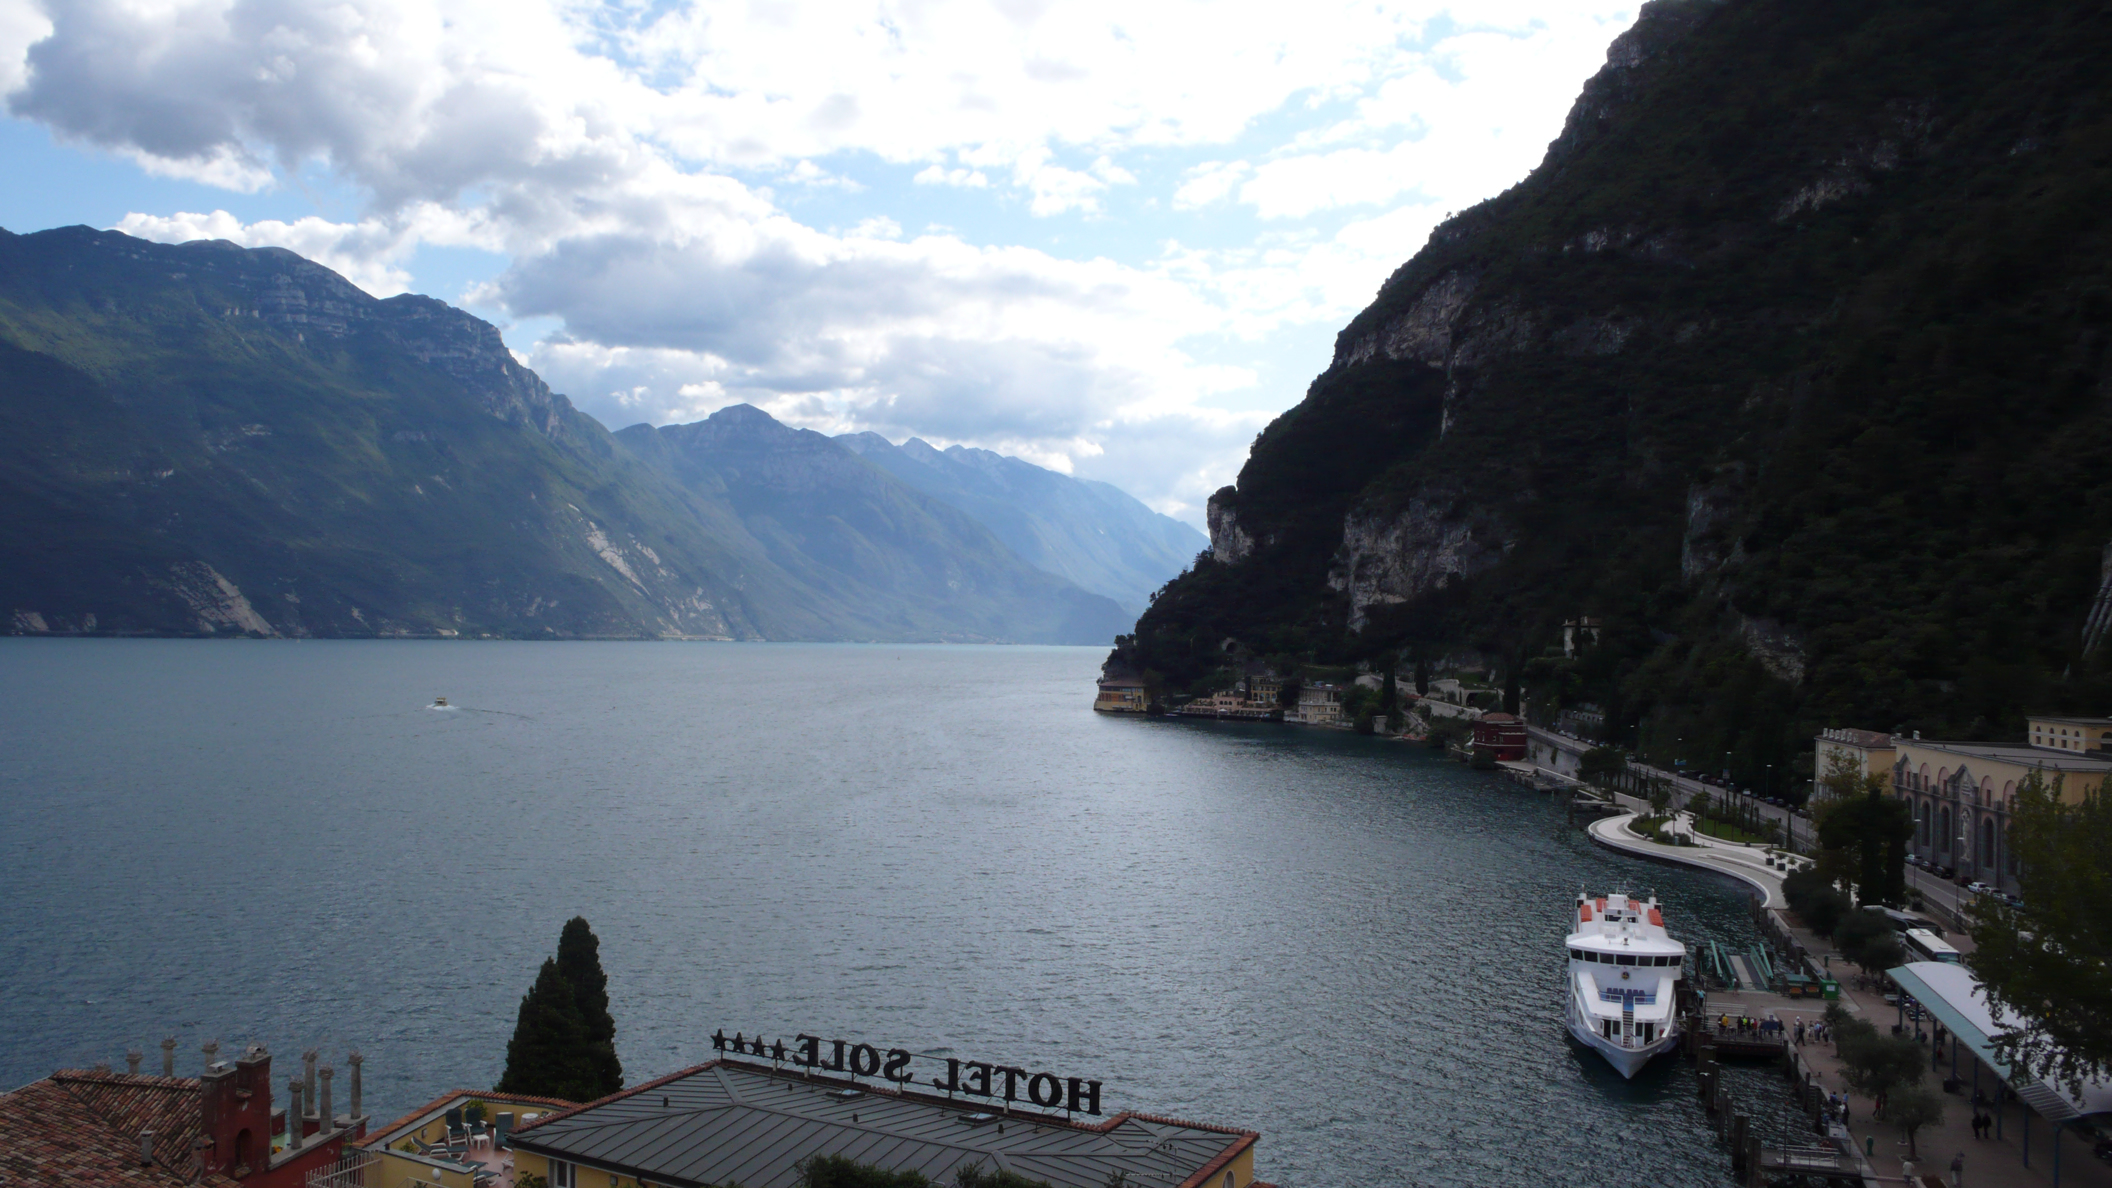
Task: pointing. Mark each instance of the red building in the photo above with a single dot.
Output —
(1500, 735)
(101, 1127)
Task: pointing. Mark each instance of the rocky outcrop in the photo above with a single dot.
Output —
(1389, 559)
(1707, 546)
(1659, 26)
(1230, 544)
(1776, 647)
(1422, 333)
(219, 606)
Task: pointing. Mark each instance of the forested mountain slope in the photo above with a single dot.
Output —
(202, 439)
(1788, 363)
(205, 439)
(1092, 534)
(876, 558)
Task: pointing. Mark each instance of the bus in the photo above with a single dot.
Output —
(1924, 945)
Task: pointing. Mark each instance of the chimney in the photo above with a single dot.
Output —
(168, 1057)
(328, 1118)
(308, 1091)
(146, 1147)
(294, 1128)
(211, 1048)
(103, 1067)
(355, 1060)
(132, 1058)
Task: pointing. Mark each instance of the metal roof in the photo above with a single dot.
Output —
(1955, 997)
(727, 1122)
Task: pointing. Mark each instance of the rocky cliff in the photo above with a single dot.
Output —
(1788, 363)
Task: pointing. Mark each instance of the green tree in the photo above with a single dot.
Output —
(1598, 763)
(1877, 1065)
(2044, 965)
(1865, 830)
(1912, 1108)
(1814, 899)
(549, 1055)
(1857, 930)
(579, 959)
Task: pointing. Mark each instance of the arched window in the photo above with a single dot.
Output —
(1921, 780)
(1943, 835)
(1921, 821)
(1987, 841)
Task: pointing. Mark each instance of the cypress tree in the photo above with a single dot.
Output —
(549, 1055)
(579, 960)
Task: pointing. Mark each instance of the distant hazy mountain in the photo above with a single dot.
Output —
(877, 558)
(1091, 534)
(202, 439)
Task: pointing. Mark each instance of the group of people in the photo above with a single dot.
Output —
(1769, 1027)
(1815, 1031)
(1983, 1122)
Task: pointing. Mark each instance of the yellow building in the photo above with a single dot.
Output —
(2071, 734)
(1961, 792)
(1870, 751)
(1121, 696)
(754, 1121)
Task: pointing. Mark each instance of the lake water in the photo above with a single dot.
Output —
(1347, 944)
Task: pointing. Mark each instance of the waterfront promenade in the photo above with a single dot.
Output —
(1993, 1162)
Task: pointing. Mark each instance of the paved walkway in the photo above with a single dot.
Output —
(1990, 1162)
(1740, 862)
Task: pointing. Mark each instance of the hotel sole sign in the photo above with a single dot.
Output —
(975, 1078)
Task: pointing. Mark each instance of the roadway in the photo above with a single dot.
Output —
(1797, 829)
(1943, 896)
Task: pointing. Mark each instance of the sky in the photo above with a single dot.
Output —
(1115, 239)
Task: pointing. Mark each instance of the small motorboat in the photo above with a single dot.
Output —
(439, 703)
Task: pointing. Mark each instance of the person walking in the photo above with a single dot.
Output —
(1958, 1170)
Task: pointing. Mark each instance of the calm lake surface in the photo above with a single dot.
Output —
(1346, 944)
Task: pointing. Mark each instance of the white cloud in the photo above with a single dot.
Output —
(1211, 181)
(597, 147)
(368, 253)
(21, 26)
(935, 175)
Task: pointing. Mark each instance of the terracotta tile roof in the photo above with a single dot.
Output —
(75, 1128)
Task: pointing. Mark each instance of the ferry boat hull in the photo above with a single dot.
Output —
(1626, 1061)
(1624, 973)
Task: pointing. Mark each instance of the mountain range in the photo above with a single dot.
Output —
(206, 439)
(1787, 366)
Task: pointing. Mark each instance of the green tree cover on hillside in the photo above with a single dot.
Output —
(2047, 965)
(1854, 294)
(564, 1037)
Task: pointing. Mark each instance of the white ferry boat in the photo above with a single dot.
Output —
(1623, 970)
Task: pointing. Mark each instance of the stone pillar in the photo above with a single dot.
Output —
(132, 1058)
(168, 1057)
(323, 1111)
(355, 1060)
(308, 1073)
(211, 1048)
(293, 1113)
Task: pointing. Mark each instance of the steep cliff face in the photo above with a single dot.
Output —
(1774, 365)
